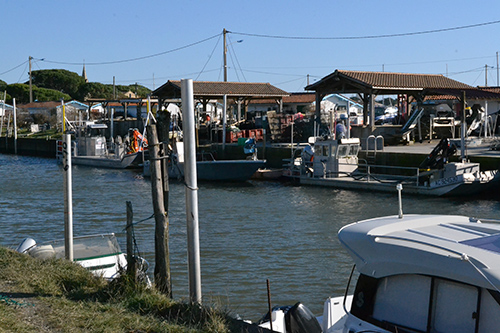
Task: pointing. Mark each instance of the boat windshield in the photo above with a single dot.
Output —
(88, 247)
(347, 150)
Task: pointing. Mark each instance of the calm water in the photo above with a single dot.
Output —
(248, 232)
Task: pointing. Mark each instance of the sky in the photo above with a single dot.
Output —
(284, 43)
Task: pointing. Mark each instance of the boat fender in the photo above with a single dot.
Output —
(26, 245)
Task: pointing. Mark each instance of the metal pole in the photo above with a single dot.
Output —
(112, 123)
(3, 112)
(31, 89)
(224, 121)
(15, 126)
(225, 55)
(498, 82)
(63, 116)
(463, 130)
(68, 198)
(399, 187)
(348, 121)
(191, 190)
(485, 119)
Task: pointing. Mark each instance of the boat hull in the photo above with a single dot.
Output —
(105, 162)
(458, 188)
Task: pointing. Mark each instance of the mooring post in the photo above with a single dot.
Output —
(131, 266)
(161, 272)
(191, 191)
(163, 126)
(68, 198)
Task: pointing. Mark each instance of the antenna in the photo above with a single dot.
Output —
(399, 187)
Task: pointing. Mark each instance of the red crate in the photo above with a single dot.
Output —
(259, 135)
(231, 137)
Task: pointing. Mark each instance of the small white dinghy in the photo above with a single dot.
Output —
(100, 254)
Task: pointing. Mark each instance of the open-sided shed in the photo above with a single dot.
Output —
(205, 91)
(370, 84)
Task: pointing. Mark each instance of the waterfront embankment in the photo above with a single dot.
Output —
(401, 155)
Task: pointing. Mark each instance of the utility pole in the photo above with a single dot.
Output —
(485, 75)
(225, 55)
(498, 81)
(31, 89)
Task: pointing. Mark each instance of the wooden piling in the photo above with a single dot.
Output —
(131, 263)
(161, 272)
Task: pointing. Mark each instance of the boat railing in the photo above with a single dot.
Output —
(410, 175)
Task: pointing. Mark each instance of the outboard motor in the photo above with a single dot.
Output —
(26, 245)
(300, 319)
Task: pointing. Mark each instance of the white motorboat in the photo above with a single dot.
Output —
(90, 148)
(417, 273)
(100, 254)
(335, 163)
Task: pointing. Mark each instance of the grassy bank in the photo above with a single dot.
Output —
(59, 296)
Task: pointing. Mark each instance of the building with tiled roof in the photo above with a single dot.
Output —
(238, 94)
(413, 86)
(293, 103)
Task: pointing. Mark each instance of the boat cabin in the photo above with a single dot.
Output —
(335, 158)
(430, 273)
(411, 302)
(90, 140)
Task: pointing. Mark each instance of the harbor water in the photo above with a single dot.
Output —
(249, 232)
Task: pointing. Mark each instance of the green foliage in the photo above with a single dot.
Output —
(3, 86)
(58, 79)
(95, 90)
(57, 84)
(139, 90)
(22, 94)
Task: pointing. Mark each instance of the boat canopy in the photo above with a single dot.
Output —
(452, 247)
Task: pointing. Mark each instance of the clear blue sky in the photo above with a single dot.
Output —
(102, 33)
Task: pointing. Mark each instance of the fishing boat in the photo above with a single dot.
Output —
(90, 148)
(100, 254)
(335, 163)
(210, 169)
(417, 273)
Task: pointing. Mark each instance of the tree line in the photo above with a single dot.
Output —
(56, 84)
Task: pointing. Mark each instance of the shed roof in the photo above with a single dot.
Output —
(215, 89)
(298, 98)
(356, 81)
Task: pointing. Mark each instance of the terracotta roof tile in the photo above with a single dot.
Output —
(302, 98)
(218, 89)
(404, 80)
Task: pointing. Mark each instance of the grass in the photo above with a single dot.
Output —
(57, 295)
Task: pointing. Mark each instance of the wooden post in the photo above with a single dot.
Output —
(163, 125)
(161, 273)
(131, 266)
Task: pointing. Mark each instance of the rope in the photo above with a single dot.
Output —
(10, 301)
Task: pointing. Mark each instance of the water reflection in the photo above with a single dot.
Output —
(248, 232)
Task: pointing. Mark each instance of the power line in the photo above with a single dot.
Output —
(132, 59)
(10, 70)
(211, 54)
(369, 36)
